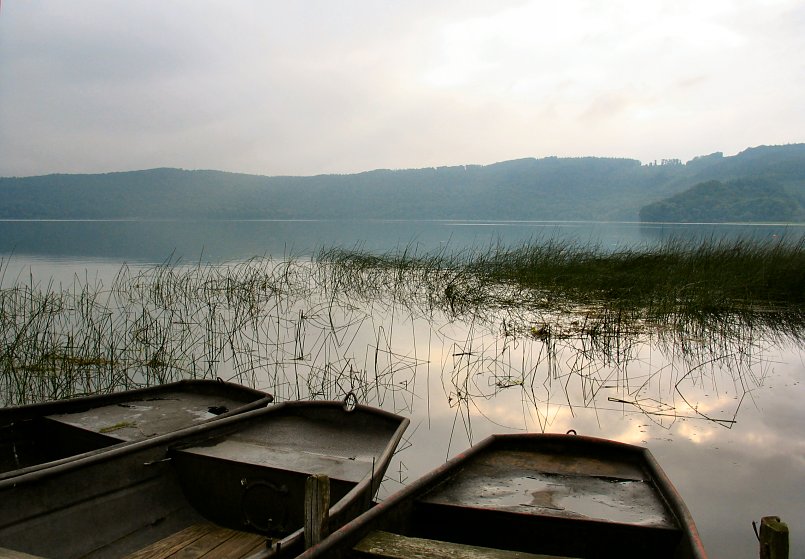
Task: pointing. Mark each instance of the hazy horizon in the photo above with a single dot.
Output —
(466, 164)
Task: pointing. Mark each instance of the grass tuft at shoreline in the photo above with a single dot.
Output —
(708, 277)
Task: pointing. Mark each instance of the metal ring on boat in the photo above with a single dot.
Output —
(350, 402)
(571, 432)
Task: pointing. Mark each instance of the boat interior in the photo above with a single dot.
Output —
(515, 502)
(39, 440)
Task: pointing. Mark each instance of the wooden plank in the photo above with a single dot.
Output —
(239, 544)
(317, 508)
(202, 540)
(12, 554)
(165, 547)
(386, 545)
(205, 544)
(773, 538)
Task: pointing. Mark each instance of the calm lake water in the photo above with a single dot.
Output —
(215, 241)
(724, 417)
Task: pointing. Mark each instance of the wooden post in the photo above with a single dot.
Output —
(773, 538)
(317, 508)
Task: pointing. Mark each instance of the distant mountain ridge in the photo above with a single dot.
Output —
(552, 188)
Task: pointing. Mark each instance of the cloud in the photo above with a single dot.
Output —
(303, 88)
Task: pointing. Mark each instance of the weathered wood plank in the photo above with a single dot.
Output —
(12, 554)
(773, 538)
(202, 540)
(165, 547)
(239, 544)
(214, 538)
(317, 508)
(386, 545)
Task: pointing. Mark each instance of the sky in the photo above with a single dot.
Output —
(322, 86)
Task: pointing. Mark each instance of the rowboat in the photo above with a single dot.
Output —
(37, 436)
(230, 488)
(528, 496)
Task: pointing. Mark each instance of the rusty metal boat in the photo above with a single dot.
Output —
(230, 488)
(37, 436)
(529, 496)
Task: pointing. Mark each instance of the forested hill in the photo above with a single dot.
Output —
(529, 189)
(754, 199)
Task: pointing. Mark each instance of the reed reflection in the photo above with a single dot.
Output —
(381, 328)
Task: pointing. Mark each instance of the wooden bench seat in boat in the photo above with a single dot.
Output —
(386, 545)
(341, 468)
(323, 449)
(11, 554)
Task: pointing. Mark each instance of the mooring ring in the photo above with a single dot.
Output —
(350, 402)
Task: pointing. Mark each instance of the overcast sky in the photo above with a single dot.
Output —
(308, 87)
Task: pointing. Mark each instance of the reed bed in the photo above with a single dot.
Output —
(148, 327)
(679, 282)
(566, 325)
(562, 325)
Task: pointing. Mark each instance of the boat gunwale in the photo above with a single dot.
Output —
(83, 403)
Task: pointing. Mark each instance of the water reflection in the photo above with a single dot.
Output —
(283, 325)
(717, 399)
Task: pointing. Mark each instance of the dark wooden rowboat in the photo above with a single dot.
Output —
(36, 436)
(528, 496)
(229, 488)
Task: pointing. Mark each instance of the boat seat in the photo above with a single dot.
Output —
(282, 458)
(149, 417)
(386, 545)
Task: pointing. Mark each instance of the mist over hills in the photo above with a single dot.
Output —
(586, 188)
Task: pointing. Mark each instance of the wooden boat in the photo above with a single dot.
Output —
(229, 488)
(36, 436)
(528, 496)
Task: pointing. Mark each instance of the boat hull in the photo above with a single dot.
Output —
(245, 473)
(557, 495)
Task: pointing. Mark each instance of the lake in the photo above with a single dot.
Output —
(216, 241)
(721, 412)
